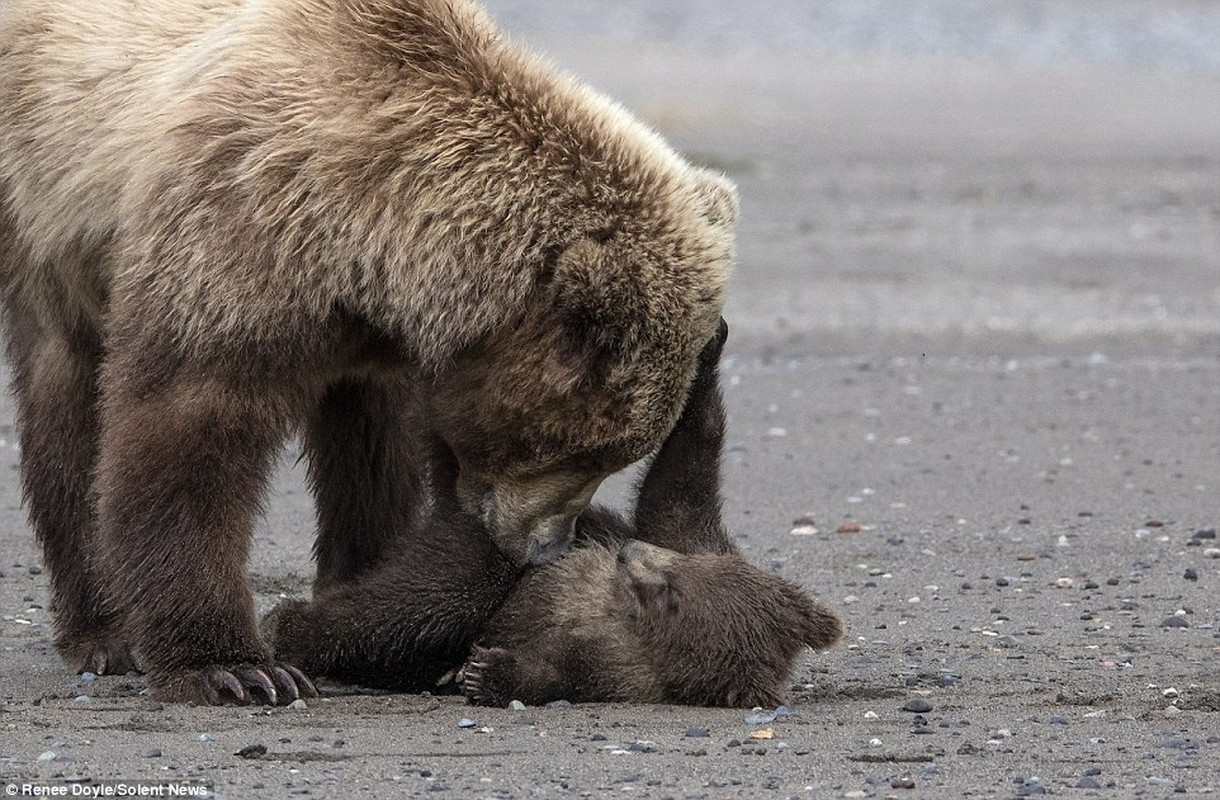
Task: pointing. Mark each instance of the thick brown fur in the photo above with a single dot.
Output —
(225, 220)
(665, 609)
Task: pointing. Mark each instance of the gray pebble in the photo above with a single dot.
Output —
(760, 717)
(559, 704)
(1058, 719)
(517, 705)
(88, 677)
(697, 733)
(206, 737)
(82, 699)
(298, 705)
(1088, 782)
(1175, 621)
(918, 705)
(49, 755)
(35, 570)
(642, 747)
(1008, 641)
(154, 753)
(1205, 533)
(1190, 574)
(466, 722)
(1179, 743)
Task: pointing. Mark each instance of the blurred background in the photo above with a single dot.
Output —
(946, 175)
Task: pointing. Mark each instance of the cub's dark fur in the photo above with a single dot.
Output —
(661, 609)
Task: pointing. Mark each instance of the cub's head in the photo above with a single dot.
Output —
(721, 632)
(592, 374)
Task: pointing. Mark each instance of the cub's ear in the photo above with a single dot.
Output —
(818, 626)
(657, 595)
(650, 570)
(718, 197)
(822, 626)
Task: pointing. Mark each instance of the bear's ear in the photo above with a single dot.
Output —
(593, 309)
(718, 198)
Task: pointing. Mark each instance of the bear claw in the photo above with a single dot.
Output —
(109, 658)
(476, 677)
(99, 652)
(242, 684)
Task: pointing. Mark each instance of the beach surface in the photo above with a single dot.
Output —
(972, 382)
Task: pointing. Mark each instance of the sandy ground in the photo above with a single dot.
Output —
(975, 350)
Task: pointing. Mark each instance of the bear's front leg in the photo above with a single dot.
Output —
(182, 464)
(679, 498)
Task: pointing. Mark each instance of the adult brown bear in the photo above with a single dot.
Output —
(222, 221)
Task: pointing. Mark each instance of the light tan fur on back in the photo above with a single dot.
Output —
(288, 191)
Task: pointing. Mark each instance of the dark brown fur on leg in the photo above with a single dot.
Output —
(408, 621)
(679, 501)
(180, 474)
(404, 627)
(359, 446)
(55, 362)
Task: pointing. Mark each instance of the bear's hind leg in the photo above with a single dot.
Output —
(364, 475)
(182, 463)
(55, 385)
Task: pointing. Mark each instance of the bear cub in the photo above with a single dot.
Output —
(659, 609)
(646, 624)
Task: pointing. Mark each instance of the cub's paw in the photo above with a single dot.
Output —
(488, 677)
(241, 684)
(101, 653)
